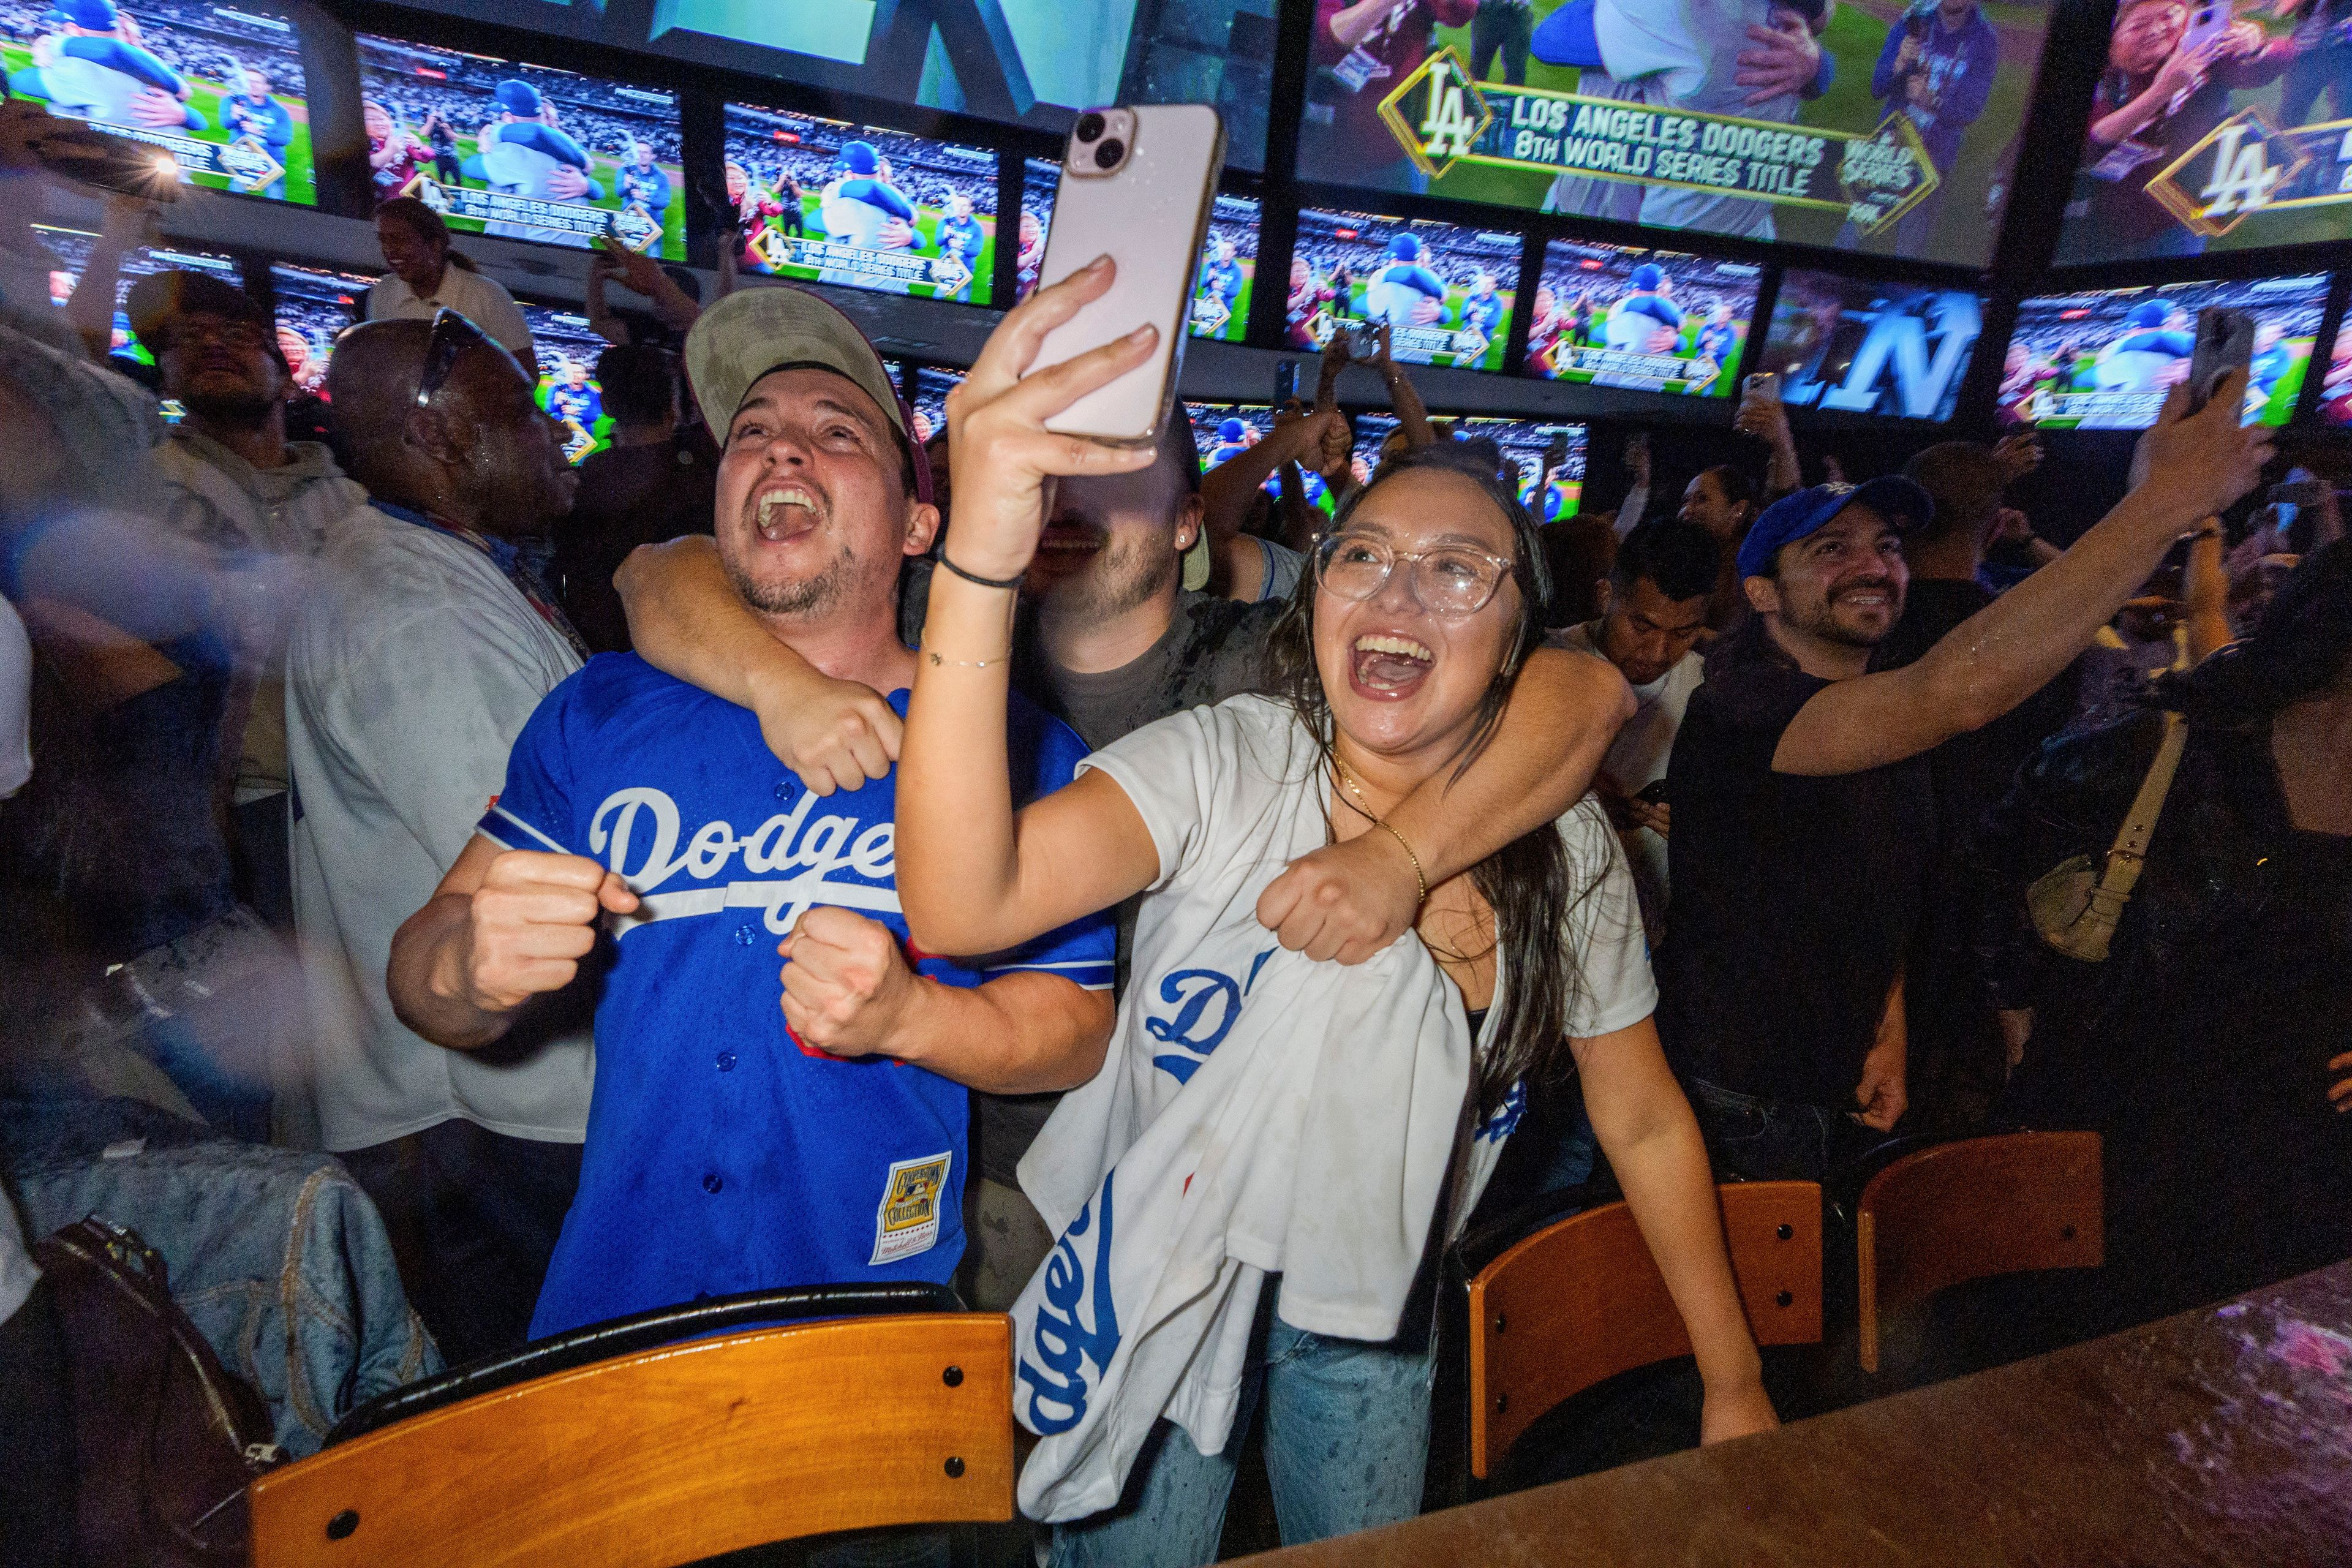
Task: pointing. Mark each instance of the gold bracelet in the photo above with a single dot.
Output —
(968, 663)
(1420, 879)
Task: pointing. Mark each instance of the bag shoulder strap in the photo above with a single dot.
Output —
(2131, 848)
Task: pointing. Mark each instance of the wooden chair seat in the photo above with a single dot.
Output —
(2004, 1205)
(1581, 1300)
(672, 1454)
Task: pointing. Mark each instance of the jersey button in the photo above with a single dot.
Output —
(727, 1061)
(712, 1183)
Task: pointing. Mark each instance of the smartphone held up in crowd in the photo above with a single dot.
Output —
(1137, 184)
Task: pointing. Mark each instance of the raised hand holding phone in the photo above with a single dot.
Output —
(1002, 445)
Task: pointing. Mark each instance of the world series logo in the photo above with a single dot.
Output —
(1441, 116)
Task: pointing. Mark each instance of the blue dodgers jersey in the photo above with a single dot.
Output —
(720, 1155)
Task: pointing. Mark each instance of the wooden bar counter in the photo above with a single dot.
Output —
(2220, 1436)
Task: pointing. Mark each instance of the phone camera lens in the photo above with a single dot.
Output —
(1108, 155)
(1090, 126)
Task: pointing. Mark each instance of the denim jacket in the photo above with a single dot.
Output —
(278, 1257)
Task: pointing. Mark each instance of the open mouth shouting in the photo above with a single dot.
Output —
(1870, 598)
(784, 512)
(1069, 541)
(1388, 665)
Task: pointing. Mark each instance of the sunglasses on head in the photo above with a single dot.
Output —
(453, 334)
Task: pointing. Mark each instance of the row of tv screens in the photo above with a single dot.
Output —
(2097, 359)
(2217, 124)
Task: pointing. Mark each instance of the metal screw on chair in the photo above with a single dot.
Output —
(953, 1377)
(1784, 1298)
(955, 1467)
(1499, 1321)
(1784, 1231)
(2067, 1232)
(340, 1527)
(1502, 1403)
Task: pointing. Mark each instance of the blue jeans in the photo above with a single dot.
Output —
(1347, 1444)
(1775, 1139)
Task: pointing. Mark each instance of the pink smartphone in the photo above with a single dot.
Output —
(1136, 186)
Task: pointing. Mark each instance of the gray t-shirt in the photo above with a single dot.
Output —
(1213, 650)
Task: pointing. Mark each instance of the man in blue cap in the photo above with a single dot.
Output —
(860, 206)
(1403, 292)
(92, 67)
(1804, 813)
(524, 152)
(251, 115)
(1646, 320)
(2152, 353)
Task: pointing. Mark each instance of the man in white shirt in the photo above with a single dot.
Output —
(425, 276)
(234, 485)
(1652, 611)
(423, 649)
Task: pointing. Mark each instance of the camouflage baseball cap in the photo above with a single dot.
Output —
(758, 330)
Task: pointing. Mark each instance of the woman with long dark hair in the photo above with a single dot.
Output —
(1391, 667)
(2212, 1047)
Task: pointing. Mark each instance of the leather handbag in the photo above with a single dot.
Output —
(2074, 906)
(167, 1437)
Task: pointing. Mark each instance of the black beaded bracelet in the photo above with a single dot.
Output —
(972, 577)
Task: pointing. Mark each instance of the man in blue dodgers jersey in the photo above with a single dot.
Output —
(860, 208)
(961, 236)
(644, 184)
(523, 153)
(2152, 353)
(1403, 292)
(731, 1146)
(577, 404)
(94, 67)
(1219, 287)
(1937, 69)
(1481, 308)
(252, 112)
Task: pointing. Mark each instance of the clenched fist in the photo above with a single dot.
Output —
(846, 984)
(533, 920)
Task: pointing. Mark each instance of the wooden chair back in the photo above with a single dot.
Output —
(671, 1455)
(1963, 1211)
(1581, 1300)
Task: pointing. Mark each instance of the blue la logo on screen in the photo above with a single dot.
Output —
(1901, 352)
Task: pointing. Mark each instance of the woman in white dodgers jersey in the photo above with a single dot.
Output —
(1393, 663)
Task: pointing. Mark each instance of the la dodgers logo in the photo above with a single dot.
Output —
(1207, 1003)
(811, 848)
(1060, 1337)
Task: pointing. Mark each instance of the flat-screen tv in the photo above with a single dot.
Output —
(1549, 458)
(1845, 346)
(1445, 292)
(1223, 286)
(1873, 125)
(1040, 179)
(2215, 126)
(1027, 62)
(929, 401)
(567, 349)
(523, 151)
(217, 88)
(829, 201)
(72, 247)
(314, 305)
(2335, 392)
(2103, 359)
(1653, 321)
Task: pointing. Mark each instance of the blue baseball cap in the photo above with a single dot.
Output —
(1794, 517)
(2149, 313)
(1405, 247)
(517, 98)
(1231, 430)
(1649, 274)
(860, 158)
(98, 16)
